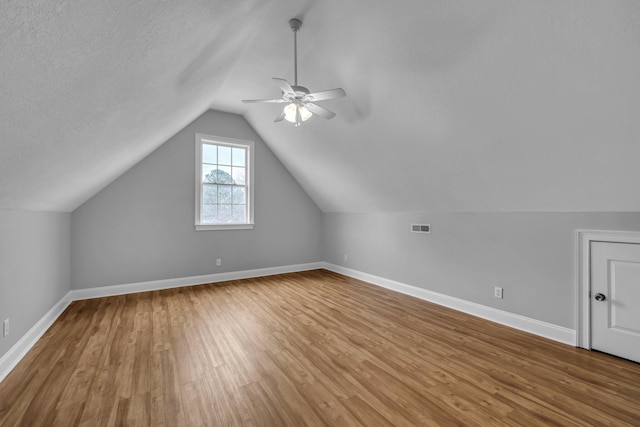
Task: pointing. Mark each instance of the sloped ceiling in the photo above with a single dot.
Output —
(451, 105)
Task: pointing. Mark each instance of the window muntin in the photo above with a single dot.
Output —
(223, 183)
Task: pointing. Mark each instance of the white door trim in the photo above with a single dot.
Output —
(583, 275)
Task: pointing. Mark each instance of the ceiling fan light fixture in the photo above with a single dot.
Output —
(290, 113)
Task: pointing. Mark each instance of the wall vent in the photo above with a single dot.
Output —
(420, 228)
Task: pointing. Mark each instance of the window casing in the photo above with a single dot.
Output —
(224, 183)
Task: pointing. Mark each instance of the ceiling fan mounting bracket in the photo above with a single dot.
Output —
(295, 24)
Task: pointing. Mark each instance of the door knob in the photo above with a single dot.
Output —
(600, 297)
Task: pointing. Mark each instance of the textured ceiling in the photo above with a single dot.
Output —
(451, 105)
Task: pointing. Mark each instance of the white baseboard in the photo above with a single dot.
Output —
(28, 340)
(20, 349)
(155, 285)
(536, 327)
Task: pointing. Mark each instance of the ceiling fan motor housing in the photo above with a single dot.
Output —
(300, 90)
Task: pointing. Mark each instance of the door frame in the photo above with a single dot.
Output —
(583, 275)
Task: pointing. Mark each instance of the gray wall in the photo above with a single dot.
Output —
(141, 227)
(530, 255)
(34, 268)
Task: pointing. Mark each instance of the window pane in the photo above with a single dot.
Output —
(224, 213)
(224, 175)
(209, 173)
(224, 155)
(209, 153)
(209, 213)
(239, 213)
(223, 183)
(238, 175)
(209, 193)
(238, 156)
(238, 196)
(224, 194)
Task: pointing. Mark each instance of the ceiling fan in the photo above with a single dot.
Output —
(301, 104)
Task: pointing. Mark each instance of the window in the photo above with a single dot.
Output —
(224, 183)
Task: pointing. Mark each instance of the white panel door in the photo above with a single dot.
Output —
(615, 299)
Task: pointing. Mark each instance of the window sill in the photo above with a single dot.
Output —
(209, 227)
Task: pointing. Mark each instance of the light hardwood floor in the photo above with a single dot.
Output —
(312, 348)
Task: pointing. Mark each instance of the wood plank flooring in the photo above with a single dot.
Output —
(312, 348)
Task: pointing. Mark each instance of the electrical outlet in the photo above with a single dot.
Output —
(346, 258)
(5, 328)
(497, 292)
(218, 262)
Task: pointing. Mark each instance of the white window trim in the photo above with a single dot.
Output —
(200, 138)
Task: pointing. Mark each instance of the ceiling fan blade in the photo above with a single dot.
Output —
(280, 117)
(269, 101)
(326, 94)
(284, 85)
(320, 111)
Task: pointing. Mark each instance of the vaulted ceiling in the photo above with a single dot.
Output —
(451, 105)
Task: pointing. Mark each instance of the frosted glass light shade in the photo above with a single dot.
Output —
(290, 113)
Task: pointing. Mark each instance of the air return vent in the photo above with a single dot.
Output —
(420, 228)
